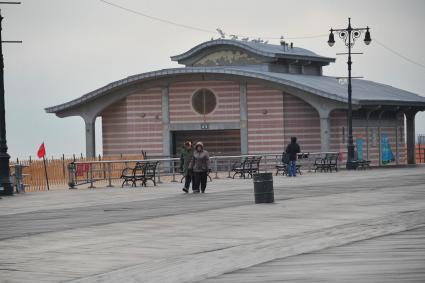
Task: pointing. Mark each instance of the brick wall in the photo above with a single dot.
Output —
(134, 124)
(227, 109)
(265, 119)
(301, 120)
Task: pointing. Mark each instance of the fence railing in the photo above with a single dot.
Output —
(108, 172)
(108, 169)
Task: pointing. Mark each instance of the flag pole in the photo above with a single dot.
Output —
(45, 172)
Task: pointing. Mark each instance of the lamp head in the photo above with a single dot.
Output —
(331, 40)
(367, 38)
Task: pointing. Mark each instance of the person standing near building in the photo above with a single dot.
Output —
(292, 150)
(200, 164)
(185, 157)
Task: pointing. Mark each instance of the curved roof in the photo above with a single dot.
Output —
(364, 92)
(262, 49)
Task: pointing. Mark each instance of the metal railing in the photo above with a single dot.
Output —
(17, 177)
(109, 171)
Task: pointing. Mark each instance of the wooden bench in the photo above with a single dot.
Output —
(327, 163)
(362, 164)
(247, 167)
(142, 171)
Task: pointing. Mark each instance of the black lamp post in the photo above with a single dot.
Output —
(349, 35)
(6, 187)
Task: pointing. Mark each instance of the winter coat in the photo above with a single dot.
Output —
(292, 149)
(185, 157)
(200, 161)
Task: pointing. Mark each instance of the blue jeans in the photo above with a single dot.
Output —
(292, 168)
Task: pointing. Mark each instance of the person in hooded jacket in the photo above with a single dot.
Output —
(200, 165)
(292, 150)
(185, 157)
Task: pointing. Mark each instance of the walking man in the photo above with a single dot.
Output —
(200, 163)
(185, 157)
(292, 150)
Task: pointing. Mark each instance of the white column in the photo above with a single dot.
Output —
(243, 117)
(325, 129)
(166, 134)
(90, 138)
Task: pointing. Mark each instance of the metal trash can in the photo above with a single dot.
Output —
(263, 188)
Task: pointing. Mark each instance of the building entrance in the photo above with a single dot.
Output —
(216, 142)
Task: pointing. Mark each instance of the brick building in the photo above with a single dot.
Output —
(242, 97)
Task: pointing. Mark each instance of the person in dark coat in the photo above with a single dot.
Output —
(185, 157)
(292, 150)
(200, 164)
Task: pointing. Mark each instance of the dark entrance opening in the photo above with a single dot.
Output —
(216, 142)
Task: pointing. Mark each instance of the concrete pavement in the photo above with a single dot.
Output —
(161, 235)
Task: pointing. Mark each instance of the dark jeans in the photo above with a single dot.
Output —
(187, 180)
(199, 178)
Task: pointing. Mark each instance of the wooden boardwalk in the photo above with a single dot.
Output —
(162, 235)
(392, 259)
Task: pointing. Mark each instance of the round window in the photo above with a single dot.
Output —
(204, 101)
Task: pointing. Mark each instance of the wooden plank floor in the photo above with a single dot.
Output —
(394, 258)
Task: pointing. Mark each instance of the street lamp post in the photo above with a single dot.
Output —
(6, 187)
(349, 35)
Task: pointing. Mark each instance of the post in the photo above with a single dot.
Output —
(349, 35)
(410, 137)
(166, 134)
(6, 187)
(174, 171)
(324, 134)
(350, 142)
(215, 168)
(243, 117)
(91, 176)
(109, 175)
(45, 172)
(63, 165)
(90, 139)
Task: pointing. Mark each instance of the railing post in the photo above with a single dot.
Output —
(109, 175)
(265, 163)
(215, 168)
(228, 169)
(71, 175)
(91, 176)
(19, 180)
(174, 171)
(159, 173)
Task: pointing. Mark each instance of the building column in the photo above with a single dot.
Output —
(166, 134)
(90, 137)
(410, 137)
(325, 126)
(243, 117)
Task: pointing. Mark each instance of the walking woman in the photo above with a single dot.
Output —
(200, 164)
(185, 157)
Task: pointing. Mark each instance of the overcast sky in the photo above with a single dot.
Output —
(71, 47)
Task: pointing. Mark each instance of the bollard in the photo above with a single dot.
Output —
(263, 188)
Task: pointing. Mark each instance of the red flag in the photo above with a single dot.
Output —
(41, 151)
